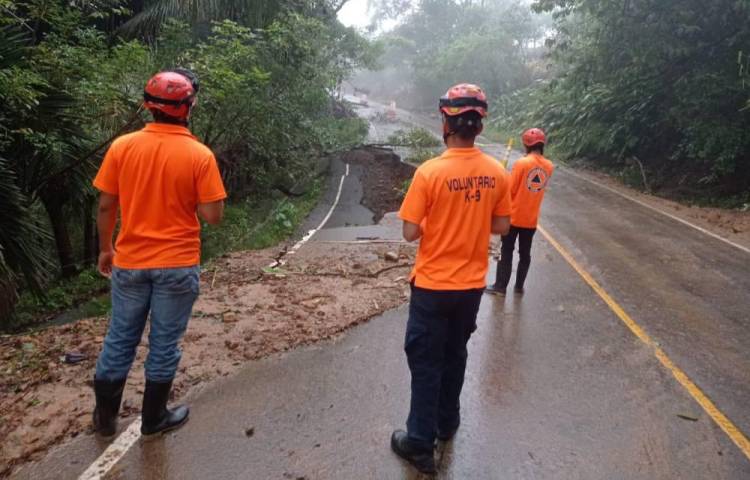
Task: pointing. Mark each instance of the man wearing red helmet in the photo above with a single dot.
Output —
(529, 179)
(453, 203)
(158, 179)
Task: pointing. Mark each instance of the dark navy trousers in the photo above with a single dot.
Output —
(439, 326)
(505, 265)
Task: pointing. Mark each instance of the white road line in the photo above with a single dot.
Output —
(650, 207)
(333, 207)
(375, 129)
(113, 453)
(311, 233)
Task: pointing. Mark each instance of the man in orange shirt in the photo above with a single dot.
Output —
(453, 203)
(158, 178)
(529, 179)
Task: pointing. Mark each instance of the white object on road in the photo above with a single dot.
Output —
(114, 452)
(391, 112)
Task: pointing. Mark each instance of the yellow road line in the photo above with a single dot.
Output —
(734, 433)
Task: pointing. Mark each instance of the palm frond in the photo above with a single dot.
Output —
(251, 13)
(57, 120)
(22, 239)
(13, 43)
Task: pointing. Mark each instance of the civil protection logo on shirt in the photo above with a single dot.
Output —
(536, 180)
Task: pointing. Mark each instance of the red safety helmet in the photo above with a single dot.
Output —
(463, 98)
(533, 136)
(172, 92)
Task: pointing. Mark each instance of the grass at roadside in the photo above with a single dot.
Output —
(253, 224)
(250, 224)
(86, 293)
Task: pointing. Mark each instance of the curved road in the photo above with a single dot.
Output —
(557, 387)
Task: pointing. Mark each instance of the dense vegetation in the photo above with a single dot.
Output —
(71, 79)
(653, 85)
(654, 89)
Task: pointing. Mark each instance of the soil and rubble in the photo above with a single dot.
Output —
(385, 187)
(246, 311)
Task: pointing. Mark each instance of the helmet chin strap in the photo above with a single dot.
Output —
(186, 120)
(447, 132)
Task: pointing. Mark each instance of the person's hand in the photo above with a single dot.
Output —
(105, 263)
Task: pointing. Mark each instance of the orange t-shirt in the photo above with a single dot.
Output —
(528, 180)
(160, 173)
(454, 198)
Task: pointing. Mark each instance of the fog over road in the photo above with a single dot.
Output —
(558, 386)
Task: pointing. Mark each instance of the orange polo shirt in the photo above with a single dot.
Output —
(454, 198)
(529, 179)
(160, 174)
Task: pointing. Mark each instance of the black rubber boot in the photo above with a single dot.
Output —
(494, 290)
(422, 459)
(447, 434)
(156, 417)
(108, 398)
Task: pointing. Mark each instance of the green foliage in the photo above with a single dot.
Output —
(421, 144)
(258, 223)
(17, 254)
(404, 188)
(269, 93)
(87, 290)
(419, 156)
(343, 133)
(649, 81)
(414, 138)
(69, 83)
(199, 14)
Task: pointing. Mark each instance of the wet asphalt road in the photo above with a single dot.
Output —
(557, 387)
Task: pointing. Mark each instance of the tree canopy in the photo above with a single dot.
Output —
(661, 82)
(71, 79)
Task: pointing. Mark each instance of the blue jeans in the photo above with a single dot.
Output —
(168, 294)
(439, 326)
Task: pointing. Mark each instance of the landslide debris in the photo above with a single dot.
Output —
(246, 311)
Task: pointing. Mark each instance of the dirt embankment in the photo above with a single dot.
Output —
(384, 184)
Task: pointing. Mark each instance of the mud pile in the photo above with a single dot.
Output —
(386, 179)
(246, 311)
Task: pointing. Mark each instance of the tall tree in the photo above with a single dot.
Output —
(655, 81)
